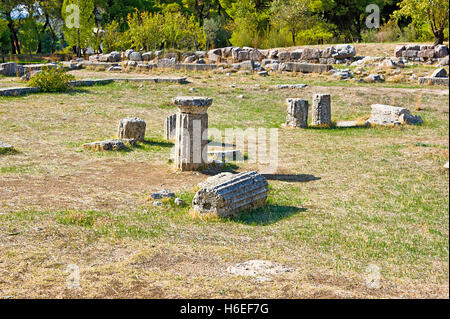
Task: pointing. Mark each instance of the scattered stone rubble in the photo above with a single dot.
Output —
(162, 194)
(5, 148)
(110, 145)
(420, 53)
(228, 194)
(439, 77)
(392, 115)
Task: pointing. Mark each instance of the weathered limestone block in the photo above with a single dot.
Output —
(310, 53)
(256, 55)
(439, 73)
(321, 109)
(306, 67)
(344, 51)
(147, 56)
(433, 81)
(284, 56)
(128, 53)
(440, 51)
(166, 62)
(170, 127)
(135, 56)
(110, 145)
(392, 115)
(328, 52)
(410, 53)
(8, 69)
(6, 148)
(132, 128)
(426, 53)
(296, 55)
(297, 113)
(398, 52)
(215, 55)
(227, 194)
(191, 137)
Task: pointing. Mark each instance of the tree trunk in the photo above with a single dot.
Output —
(14, 40)
(293, 38)
(53, 38)
(439, 37)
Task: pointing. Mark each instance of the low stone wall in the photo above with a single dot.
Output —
(16, 91)
(421, 52)
(433, 81)
(305, 67)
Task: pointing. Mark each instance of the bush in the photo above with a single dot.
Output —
(51, 80)
(216, 34)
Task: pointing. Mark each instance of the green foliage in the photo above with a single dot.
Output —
(5, 42)
(171, 30)
(29, 36)
(113, 39)
(216, 34)
(249, 24)
(427, 16)
(51, 80)
(78, 29)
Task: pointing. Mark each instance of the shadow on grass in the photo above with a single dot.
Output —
(160, 143)
(300, 178)
(267, 215)
(213, 169)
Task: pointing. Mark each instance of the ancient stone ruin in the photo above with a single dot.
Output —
(170, 127)
(438, 77)
(132, 128)
(228, 194)
(297, 113)
(191, 140)
(110, 145)
(321, 109)
(421, 52)
(6, 148)
(392, 115)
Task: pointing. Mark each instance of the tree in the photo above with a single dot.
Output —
(5, 40)
(50, 12)
(28, 36)
(6, 8)
(293, 15)
(79, 23)
(433, 12)
(215, 31)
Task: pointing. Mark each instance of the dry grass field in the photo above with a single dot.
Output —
(342, 199)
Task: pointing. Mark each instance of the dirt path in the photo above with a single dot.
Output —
(102, 186)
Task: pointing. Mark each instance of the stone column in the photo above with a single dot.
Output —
(191, 135)
(170, 127)
(297, 113)
(132, 128)
(321, 109)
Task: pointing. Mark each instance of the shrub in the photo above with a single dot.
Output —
(216, 34)
(51, 80)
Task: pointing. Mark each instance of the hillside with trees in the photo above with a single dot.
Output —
(40, 26)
